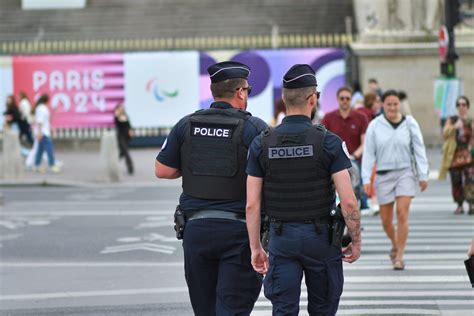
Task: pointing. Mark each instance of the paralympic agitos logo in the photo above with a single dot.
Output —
(160, 95)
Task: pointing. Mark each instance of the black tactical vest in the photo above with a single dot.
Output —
(213, 155)
(297, 184)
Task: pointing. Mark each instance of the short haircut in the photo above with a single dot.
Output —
(390, 93)
(297, 97)
(344, 88)
(226, 89)
(373, 80)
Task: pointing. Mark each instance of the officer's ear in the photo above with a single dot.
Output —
(313, 100)
(240, 93)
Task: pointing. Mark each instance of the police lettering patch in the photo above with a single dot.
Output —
(344, 148)
(290, 152)
(211, 131)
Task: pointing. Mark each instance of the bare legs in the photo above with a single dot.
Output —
(398, 236)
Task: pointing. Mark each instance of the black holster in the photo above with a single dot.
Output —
(336, 226)
(265, 232)
(179, 222)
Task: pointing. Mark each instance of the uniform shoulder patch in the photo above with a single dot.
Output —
(344, 148)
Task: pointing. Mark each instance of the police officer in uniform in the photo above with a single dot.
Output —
(294, 170)
(208, 149)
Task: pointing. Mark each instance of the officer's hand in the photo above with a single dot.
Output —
(423, 185)
(260, 261)
(352, 252)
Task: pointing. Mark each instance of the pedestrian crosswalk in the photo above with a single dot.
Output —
(434, 281)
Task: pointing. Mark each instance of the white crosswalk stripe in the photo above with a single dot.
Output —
(434, 281)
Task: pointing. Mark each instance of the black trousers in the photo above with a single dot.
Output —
(123, 152)
(217, 267)
(25, 130)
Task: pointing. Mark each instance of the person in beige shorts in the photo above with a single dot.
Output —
(394, 143)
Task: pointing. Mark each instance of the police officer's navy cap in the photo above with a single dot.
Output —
(228, 70)
(299, 76)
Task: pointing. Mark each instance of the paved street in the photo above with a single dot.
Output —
(112, 251)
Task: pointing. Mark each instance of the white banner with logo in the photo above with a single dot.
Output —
(160, 88)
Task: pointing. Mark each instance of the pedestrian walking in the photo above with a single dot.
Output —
(369, 101)
(404, 103)
(209, 150)
(457, 156)
(292, 170)
(11, 114)
(357, 100)
(374, 87)
(124, 133)
(279, 113)
(395, 144)
(43, 135)
(350, 125)
(25, 118)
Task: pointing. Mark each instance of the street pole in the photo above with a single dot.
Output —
(451, 18)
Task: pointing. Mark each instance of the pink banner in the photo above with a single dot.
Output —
(83, 89)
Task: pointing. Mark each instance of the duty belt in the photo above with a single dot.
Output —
(322, 220)
(216, 214)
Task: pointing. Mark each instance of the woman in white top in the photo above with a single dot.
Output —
(395, 144)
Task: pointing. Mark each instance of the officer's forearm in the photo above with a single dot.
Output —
(252, 217)
(352, 219)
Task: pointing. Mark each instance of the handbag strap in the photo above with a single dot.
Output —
(412, 148)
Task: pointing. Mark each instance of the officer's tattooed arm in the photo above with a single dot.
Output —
(351, 214)
(352, 219)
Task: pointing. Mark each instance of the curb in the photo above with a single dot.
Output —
(79, 184)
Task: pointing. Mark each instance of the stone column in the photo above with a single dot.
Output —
(12, 161)
(109, 157)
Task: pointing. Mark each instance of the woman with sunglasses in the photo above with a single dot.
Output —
(457, 156)
(395, 144)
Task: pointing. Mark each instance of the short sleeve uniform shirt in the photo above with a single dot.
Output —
(170, 155)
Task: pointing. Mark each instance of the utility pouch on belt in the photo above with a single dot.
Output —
(265, 232)
(179, 222)
(336, 226)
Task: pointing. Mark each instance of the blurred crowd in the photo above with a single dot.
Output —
(32, 123)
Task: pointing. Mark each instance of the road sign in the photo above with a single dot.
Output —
(443, 41)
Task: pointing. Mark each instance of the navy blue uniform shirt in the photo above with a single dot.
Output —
(334, 155)
(170, 155)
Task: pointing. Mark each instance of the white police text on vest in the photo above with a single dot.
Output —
(290, 152)
(212, 132)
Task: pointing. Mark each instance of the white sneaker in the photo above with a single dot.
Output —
(38, 169)
(366, 212)
(56, 169)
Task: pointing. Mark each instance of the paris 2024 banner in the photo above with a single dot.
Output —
(158, 88)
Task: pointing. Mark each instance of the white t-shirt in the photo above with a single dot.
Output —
(42, 118)
(25, 110)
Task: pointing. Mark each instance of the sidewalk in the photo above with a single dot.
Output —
(83, 168)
